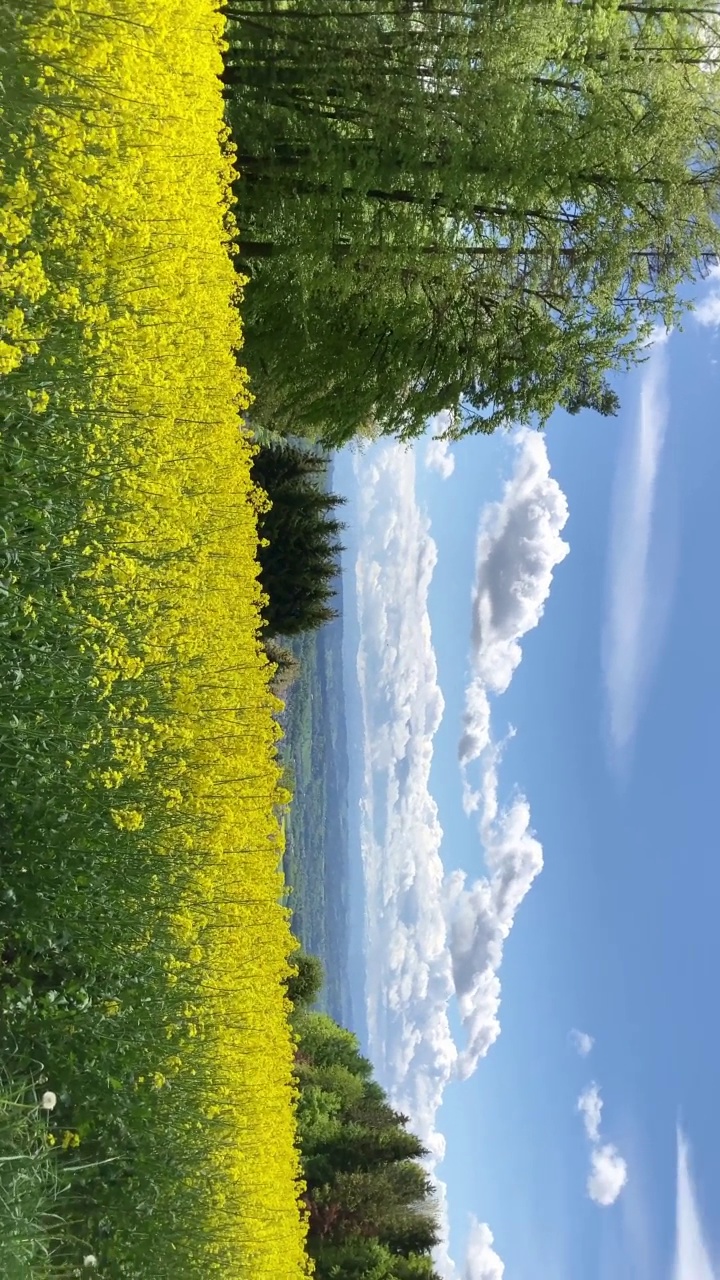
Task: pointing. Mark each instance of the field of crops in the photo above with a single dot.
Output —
(143, 940)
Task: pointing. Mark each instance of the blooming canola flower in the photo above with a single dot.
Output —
(119, 334)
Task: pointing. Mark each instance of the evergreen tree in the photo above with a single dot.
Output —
(370, 1202)
(300, 545)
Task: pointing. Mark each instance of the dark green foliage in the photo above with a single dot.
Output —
(299, 561)
(370, 1202)
(305, 983)
(487, 202)
(360, 1259)
(602, 399)
(326, 1044)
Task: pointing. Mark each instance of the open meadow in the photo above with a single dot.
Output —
(147, 1095)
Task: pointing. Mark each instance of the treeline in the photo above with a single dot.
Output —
(482, 203)
(370, 1203)
(300, 546)
(299, 549)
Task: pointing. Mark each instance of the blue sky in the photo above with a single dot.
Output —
(608, 780)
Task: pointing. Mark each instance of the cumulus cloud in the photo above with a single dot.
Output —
(582, 1042)
(482, 914)
(481, 1260)
(433, 940)
(519, 546)
(429, 936)
(692, 1256)
(409, 980)
(608, 1174)
(590, 1106)
(608, 1170)
(626, 642)
(438, 456)
(707, 311)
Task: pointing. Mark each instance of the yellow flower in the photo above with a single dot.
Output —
(116, 277)
(39, 400)
(127, 819)
(10, 357)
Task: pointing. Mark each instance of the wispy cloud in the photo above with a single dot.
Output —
(626, 642)
(582, 1042)
(608, 1175)
(518, 548)
(438, 455)
(590, 1106)
(692, 1255)
(639, 1252)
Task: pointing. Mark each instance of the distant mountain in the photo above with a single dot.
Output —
(316, 864)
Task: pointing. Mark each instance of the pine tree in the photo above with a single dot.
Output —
(300, 544)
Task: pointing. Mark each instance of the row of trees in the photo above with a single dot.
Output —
(475, 202)
(371, 1208)
(300, 546)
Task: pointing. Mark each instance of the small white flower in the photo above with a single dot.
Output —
(48, 1102)
(90, 1260)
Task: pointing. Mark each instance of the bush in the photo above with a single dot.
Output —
(306, 981)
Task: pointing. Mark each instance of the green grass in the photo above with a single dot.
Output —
(38, 1194)
(30, 1187)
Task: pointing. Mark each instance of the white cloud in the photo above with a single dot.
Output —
(608, 1174)
(582, 1042)
(626, 643)
(659, 335)
(481, 1260)
(707, 312)
(409, 979)
(692, 1256)
(608, 1169)
(590, 1106)
(482, 915)
(519, 545)
(437, 452)
(431, 938)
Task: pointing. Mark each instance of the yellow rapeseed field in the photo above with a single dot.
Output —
(118, 333)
